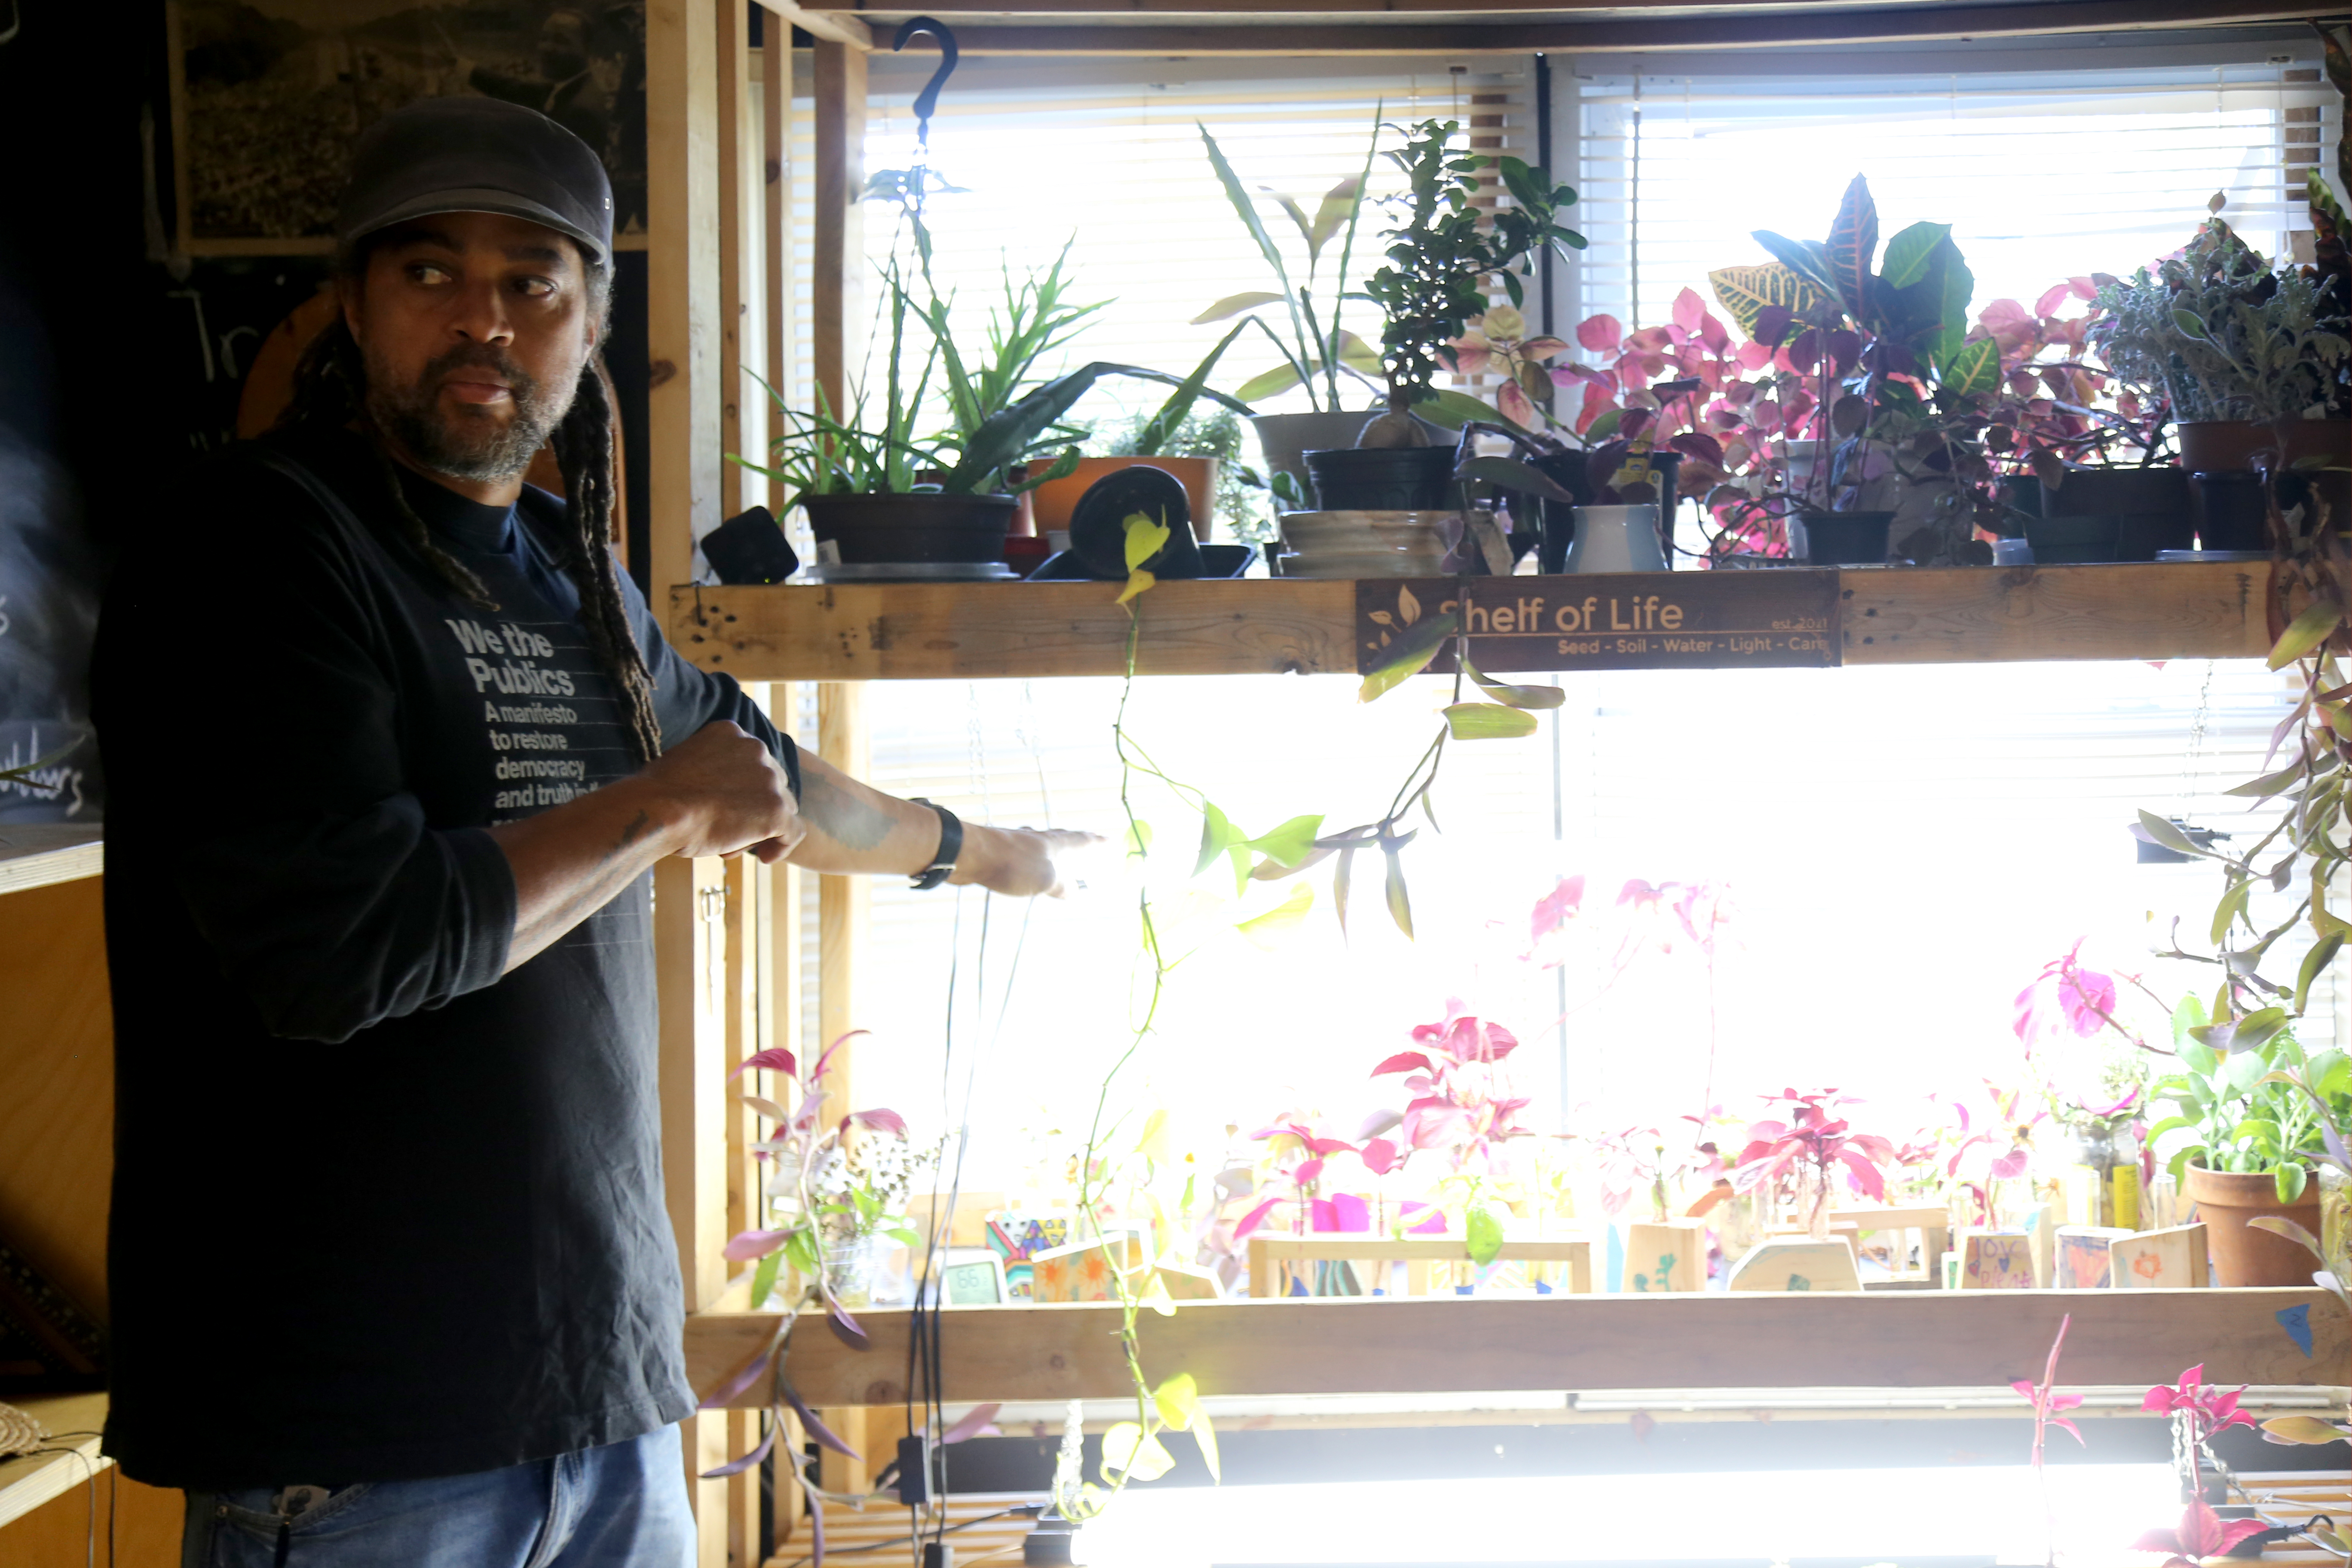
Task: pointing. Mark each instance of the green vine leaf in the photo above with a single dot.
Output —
(1533, 697)
(2315, 963)
(1217, 836)
(1488, 722)
(1128, 1448)
(1400, 904)
(764, 1278)
(1411, 656)
(1266, 931)
(1290, 844)
(2306, 631)
(1482, 1233)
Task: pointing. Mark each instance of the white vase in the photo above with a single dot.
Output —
(1616, 539)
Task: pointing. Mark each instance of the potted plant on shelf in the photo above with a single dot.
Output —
(885, 486)
(1202, 451)
(1432, 287)
(1885, 343)
(2257, 1108)
(2251, 358)
(1332, 365)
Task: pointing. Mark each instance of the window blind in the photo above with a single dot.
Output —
(2046, 170)
(1103, 155)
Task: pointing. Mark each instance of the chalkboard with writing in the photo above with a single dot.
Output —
(1677, 620)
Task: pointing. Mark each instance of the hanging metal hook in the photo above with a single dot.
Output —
(928, 100)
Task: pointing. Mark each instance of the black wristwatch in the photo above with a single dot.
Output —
(950, 846)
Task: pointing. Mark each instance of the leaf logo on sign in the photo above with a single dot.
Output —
(1407, 611)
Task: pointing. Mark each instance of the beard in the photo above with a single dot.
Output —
(471, 443)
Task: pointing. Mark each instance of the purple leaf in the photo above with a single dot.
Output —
(1404, 1061)
(880, 1120)
(971, 1425)
(776, 1059)
(826, 1060)
(816, 1428)
(1322, 1215)
(1348, 1213)
(736, 1466)
(718, 1397)
(845, 1326)
(751, 1244)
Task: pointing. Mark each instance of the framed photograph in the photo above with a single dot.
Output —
(268, 97)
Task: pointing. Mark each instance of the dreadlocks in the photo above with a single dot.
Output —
(330, 393)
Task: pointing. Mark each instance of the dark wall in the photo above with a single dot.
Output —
(120, 364)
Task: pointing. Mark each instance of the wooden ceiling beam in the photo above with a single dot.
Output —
(1342, 27)
(833, 27)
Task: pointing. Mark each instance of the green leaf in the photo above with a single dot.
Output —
(1217, 836)
(1128, 1448)
(1258, 388)
(764, 1278)
(1268, 929)
(1233, 305)
(2166, 833)
(904, 1236)
(2190, 326)
(1339, 205)
(2288, 1181)
(1488, 722)
(1410, 655)
(799, 1251)
(1801, 259)
(1400, 906)
(1532, 697)
(1178, 1399)
(1510, 474)
(1340, 880)
(2268, 784)
(2279, 1224)
(1908, 254)
(2170, 1124)
(1291, 843)
(1245, 206)
(2303, 1428)
(2315, 963)
(2238, 1074)
(1745, 291)
(1204, 1433)
(1975, 369)
(1482, 1234)
(2306, 631)
(1451, 410)
(1145, 539)
(2232, 905)
(1139, 838)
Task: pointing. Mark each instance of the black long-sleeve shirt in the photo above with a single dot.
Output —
(380, 1211)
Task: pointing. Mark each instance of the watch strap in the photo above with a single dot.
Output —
(950, 846)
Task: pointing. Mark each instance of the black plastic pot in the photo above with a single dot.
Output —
(2113, 492)
(1840, 538)
(2076, 541)
(1382, 479)
(923, 527)
(2143, 533)
(2230, 510)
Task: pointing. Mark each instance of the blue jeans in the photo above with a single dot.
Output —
(620, 1506)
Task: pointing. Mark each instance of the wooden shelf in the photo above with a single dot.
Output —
(1909, 1340)
(34, 855)
(1256, 626)
(27, 1483)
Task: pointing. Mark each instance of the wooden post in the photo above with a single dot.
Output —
(682, 285)
(776, 114)
(843, 907)
(741, 220)
(839, 179)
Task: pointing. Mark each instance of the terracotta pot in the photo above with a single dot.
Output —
(2221, 446)
(1052, 503)
(2240, 1254)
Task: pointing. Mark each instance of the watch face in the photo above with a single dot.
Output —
(972, 1285)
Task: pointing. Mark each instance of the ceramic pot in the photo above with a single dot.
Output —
(1840, 538)
(1616, 539)
(923, 527)
(1052, 503)
(1364, 543)
(1382, 479)
(2240, 1254)
(2212, 446)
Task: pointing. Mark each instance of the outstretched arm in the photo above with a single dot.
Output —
(853, 826)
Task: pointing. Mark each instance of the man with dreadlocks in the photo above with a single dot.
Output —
(393, 1283)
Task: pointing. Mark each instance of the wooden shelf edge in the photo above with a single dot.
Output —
(34, 855)
(936, 631)
(1587, 1344)
(28, 1482)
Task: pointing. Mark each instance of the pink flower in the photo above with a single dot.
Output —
(2210, 1409)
